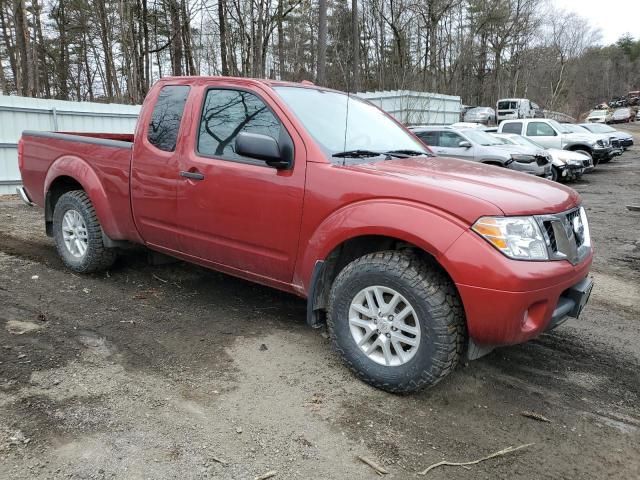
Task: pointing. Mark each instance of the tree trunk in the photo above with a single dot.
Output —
(42, 76)
(355, 45)
(281, 71)
(8, 42)
(186, 39)
(63, 55)
(176, 37)
(322, 43)
(25, 79)
(222, 22)
(145, 48)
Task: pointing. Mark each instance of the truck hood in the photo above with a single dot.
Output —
(580, 138)
(511, 192)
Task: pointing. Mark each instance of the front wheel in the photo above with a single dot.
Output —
(78, 235)
(396, 321)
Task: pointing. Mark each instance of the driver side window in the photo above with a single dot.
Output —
(540, 129)
(226, 113)
(450, 139)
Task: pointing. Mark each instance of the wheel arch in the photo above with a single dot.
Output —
(580, 146)
(326, 271)
(430, 236)
(69, 173)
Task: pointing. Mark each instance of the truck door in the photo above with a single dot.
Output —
(154, 169)
(544, 134)
(233, 210)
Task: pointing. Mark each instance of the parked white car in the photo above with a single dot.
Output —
(551, 134)
(623, 115)
(566, 165)
(625, 139)
(616, 146)
(475, 145)
(599, 116)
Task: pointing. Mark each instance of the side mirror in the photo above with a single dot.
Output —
(464, 144)
(261, 147)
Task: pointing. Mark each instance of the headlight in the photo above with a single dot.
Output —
(574, 162)
(516, 237)
(523, 158)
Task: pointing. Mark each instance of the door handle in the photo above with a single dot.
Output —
(192, 175)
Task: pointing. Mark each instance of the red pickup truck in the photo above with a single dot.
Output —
(411, 260)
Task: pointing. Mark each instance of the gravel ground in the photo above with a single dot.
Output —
(174, 371)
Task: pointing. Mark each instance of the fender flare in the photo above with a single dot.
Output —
(417, 224)
(80, 170)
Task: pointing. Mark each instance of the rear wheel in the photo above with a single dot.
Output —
(78, 235)
(396, 321)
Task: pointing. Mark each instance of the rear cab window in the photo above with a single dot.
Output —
(167, 116)
(512, 127)
(428, 138)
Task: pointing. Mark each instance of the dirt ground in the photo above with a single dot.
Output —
(174, 371)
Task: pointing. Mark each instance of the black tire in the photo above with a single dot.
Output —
(438, 309)
(555, 175)
(97, 256)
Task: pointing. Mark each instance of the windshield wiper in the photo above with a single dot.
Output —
(358, 154)
(409, 152)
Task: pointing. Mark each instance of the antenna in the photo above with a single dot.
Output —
(346, 121)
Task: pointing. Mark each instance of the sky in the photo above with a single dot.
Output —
(613, 17)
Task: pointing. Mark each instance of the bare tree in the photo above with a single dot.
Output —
(322, 42)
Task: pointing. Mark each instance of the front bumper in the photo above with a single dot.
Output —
(571, 303)
(507, 301)
(572, 171)
(616, 152)
(601, 152)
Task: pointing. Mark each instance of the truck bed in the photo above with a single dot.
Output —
(103, 158)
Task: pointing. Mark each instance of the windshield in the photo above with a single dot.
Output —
(573, 128)
(507, 105)
(560, 127)
(324, 115)
(598, 128)
(482, 138)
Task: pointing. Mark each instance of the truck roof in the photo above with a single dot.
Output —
(526, 120)
(194, 80)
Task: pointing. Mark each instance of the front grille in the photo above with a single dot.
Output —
(548, 228)
(566, 235)
(586, 163)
